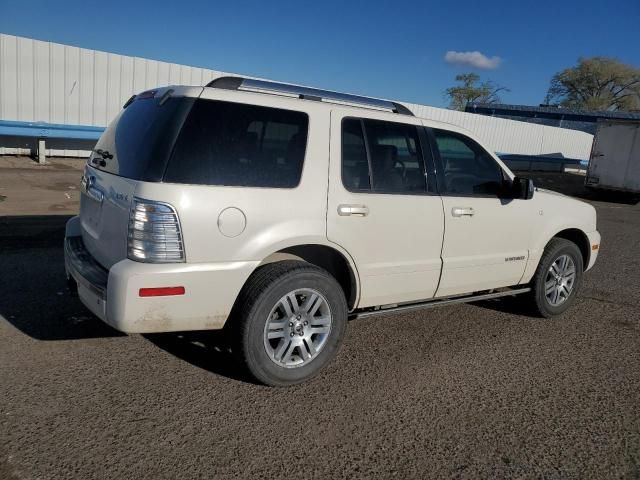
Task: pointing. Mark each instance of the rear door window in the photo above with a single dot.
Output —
(382, 157)
(232, 144)
(355, 164)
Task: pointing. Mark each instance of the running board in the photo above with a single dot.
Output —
(437, 303)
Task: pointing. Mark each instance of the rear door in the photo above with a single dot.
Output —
(615, 156)
(632, 178)
(486, 236)
(134, 148)
(380, 209)
(105, 201)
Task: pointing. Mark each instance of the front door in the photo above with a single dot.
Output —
(380, 209)
(486, 236)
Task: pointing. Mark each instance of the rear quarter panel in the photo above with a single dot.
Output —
(276, 218)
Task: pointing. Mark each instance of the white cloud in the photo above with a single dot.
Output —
(472, 59)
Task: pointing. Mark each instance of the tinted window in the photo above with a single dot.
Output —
(392, 152)
(355, 166)
(233, 144)
(467, 168)
(138, 142)
(396, 160)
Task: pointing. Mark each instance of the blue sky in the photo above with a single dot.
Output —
(380, 48)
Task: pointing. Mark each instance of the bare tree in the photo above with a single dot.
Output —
(597, 83)
(471, 91)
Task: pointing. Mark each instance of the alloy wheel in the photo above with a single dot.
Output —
(297, 328)
(560, 280)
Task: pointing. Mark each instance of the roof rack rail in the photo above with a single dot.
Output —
(275, 88)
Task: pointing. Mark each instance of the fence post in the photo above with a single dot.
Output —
(42, 158)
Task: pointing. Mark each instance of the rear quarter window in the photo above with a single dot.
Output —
(232, 144)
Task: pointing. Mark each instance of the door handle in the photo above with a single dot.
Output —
(353, 210)
(462, 212)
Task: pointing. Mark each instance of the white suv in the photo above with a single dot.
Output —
(279, 212)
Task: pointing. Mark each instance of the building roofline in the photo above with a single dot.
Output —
(548, 112)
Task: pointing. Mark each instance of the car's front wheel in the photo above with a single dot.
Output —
(558, 278)
(291, 317)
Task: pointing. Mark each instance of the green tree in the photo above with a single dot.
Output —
(597, 83)
(472, 90)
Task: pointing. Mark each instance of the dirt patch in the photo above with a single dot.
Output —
(6, 471)
(58, 207)
(31, 189)
(60, 186)
(62, 166)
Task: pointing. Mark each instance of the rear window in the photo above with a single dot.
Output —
(232, 144)
(138, 142)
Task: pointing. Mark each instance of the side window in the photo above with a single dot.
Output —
(391, 161)
(396, 161)
(467, 168)
(355, 165)
(232, 144)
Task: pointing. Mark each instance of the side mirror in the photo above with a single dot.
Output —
(522, 188)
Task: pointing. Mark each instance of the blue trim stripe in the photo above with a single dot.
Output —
(49, 130)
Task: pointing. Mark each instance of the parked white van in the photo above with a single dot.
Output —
(279, 212)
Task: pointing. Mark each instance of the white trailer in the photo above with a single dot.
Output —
(615, 156)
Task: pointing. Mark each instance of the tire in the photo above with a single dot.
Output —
(548, 296)
(281, 343)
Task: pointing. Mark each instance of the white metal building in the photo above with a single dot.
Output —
(55, 83)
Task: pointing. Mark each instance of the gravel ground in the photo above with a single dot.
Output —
(471, 391)
(27, 188)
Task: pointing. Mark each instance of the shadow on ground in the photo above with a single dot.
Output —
(517, 305)
(32, 231)
(35, 298)
(209, 350)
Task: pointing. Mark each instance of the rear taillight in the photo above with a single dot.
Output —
(154, 233)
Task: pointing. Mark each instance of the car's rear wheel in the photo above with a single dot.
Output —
(558, 278)
(291, 319)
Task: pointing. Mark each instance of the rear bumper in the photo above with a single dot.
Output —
(114, 295)
(91, 278)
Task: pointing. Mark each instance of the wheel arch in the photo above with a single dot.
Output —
(330, 258)
(572, 233)
(578, 237)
